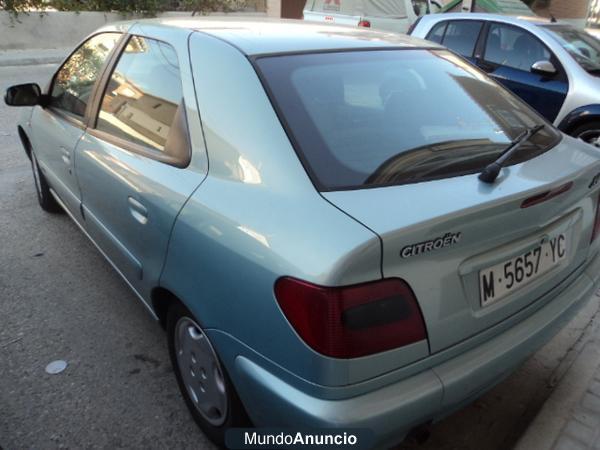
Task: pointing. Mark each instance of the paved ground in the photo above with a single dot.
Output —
(60, 300)
(32, 57)
(570, 418)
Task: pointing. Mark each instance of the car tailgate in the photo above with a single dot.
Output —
(441, 236)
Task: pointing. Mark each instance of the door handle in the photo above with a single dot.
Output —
(137, 210)
(65, 155)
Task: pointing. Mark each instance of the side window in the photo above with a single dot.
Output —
(513, 47)
(74, 82)
(461, 36)
(437, 33)
(143, 94)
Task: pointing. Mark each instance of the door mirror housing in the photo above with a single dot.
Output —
(545, 68)
(28, 94)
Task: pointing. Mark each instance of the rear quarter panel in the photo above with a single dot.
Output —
(255, 218)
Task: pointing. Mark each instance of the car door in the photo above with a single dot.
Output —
(59, 126)
(133, 164)
(508, 55)
(461, 36)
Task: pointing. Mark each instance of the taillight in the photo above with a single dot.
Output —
(545, 196)
(364, 24)
(596, 231)
(352, 321)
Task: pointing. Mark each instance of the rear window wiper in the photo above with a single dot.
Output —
(491, 171)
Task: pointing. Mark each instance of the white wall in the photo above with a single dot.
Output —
(50, 30)
(274, 8)
(59, 30)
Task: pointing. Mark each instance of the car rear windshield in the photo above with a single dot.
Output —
(386, 117)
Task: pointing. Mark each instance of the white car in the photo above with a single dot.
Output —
(387, 15)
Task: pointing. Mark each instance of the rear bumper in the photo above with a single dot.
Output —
(394, 409)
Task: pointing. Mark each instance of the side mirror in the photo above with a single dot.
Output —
(545, 68)
(28, 94)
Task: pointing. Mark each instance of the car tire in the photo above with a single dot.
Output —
(45, 198)
(588, 132)
(202, 379)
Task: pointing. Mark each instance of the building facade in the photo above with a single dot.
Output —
(562, 9)
(289, 9)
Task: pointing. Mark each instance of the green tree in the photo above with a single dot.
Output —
(148, 7)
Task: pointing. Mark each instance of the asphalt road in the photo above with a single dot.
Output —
(59, 300)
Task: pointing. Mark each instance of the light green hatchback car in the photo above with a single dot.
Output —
(338, 228)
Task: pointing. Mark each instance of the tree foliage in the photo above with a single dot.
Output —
(149, 7)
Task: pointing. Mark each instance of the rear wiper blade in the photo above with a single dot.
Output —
(491, 171)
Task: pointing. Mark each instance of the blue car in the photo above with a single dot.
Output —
(338, 228)
(552, 66)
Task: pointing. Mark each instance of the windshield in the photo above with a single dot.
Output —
(374, 118)
(584, 48)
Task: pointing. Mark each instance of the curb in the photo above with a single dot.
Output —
(29, 58)
(562, 407)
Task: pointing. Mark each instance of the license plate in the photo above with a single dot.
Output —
(500, 280)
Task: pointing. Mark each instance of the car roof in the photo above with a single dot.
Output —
(522, 21)
(266, 36)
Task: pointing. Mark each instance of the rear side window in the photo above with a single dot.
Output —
(376, 118)
(437, 33)
(461, 36)
(74, 82)
(143, 95)
(513, 47)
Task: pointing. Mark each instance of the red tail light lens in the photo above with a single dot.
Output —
(545, 196)
(352, 321)
(364, 24)
(596, 231)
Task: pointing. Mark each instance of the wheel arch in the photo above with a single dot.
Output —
(24, 141)
(162, 299)
(578, 117)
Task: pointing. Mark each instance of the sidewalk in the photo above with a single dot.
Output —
(32, 57)
(570, 417)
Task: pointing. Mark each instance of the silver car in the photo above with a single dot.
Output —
(552, 66)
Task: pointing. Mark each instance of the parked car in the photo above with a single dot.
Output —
(326, 243)
(389, 15)
(552, 66)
